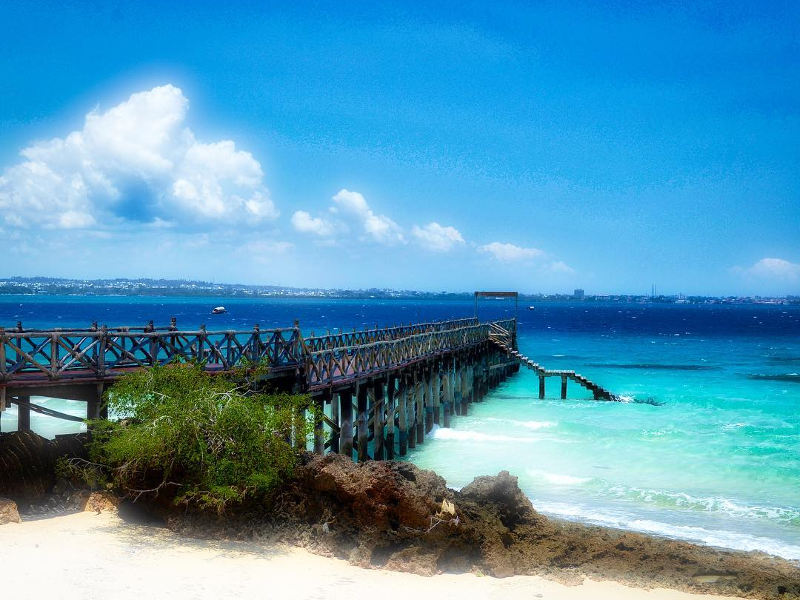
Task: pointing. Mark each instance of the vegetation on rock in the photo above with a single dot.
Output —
(197, 438)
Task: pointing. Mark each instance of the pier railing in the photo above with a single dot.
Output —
(100, 353)
(32, 356)
(369, 336)
(344, 364)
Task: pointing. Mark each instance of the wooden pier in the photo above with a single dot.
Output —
(381, 390)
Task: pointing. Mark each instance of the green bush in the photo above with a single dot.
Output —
(199, 438)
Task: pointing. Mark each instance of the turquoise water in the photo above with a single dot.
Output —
(718, 461)
(702, 451)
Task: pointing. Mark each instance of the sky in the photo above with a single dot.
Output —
(538, 147)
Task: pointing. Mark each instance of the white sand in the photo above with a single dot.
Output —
(87, 555)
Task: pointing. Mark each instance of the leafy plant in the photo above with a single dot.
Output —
(199, 438)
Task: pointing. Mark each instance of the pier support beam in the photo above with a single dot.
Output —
(346, 431)
(335, 435)
(319, 433)
(378, 421)
(23, 414)
(437, 391)
(390, 395)
(402, 417)
(363, 395)
(541, 387)
(447, 398)
(464, 391)
(563, 387)
(428, 400)
(419, 400)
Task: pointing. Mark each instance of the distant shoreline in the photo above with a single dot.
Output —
(121, 287)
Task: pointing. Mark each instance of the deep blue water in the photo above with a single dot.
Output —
(715, 458)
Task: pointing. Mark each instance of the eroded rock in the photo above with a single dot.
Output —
(8, 512)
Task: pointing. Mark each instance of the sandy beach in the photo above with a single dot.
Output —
(88, 555)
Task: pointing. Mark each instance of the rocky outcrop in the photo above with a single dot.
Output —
(27, 462)
(8, 511)
(395, 515)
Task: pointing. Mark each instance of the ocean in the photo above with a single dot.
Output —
(707, 447)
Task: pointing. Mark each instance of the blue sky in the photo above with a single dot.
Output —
(530, 146)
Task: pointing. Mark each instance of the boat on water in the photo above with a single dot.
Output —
(531, 308)
(218, 310)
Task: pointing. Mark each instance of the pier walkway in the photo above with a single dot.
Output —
(380, 390)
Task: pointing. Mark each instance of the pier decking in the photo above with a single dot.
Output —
(380, 390)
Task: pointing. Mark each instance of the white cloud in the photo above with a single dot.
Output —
(437, 238)
(350, 209)
(378, 227)
(774, 268)
(305, 223)
(135, 161)
(559, 266)
(509, 252)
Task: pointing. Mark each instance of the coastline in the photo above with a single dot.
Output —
(378, 518)
(99, 555)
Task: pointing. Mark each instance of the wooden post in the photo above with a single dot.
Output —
(541, 387)
(378, 421)
(464, 392)
(403, 415)
(389, 443)
(319, 432)
(346, 430)
(419, 399)
(363, 394)
(23, 414)
(335, 418)
(437, 390)
(427, 382)
(446, 399)
(412, 411)
(456, 378)
(471, 381)
(94, 406)
(563, 387)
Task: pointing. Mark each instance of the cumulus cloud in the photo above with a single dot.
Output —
(305, 223)
(350, 209)
(379, 228)
(774, 268)
(134, 162)
(436, 237)
(509, 252)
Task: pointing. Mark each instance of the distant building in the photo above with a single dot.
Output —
(578, 294)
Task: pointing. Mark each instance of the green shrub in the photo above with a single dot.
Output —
(199, 438)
